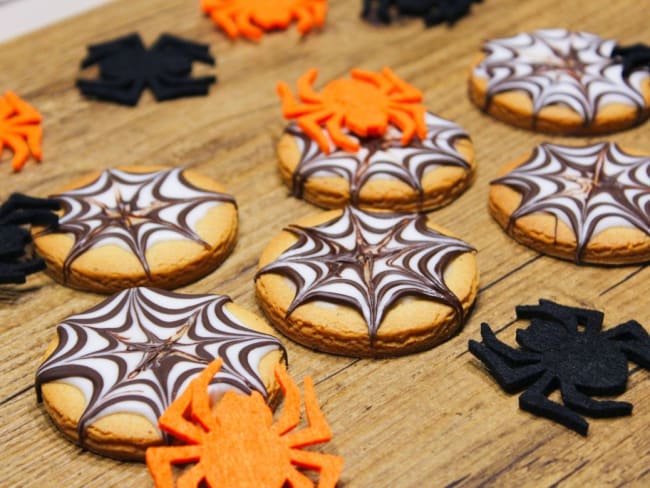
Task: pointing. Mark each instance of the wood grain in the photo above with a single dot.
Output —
(432, 419)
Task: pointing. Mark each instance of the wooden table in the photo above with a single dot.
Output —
(431, 419)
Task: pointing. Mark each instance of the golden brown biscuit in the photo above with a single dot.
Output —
(113, 370)
(585, 203)
(382, 174)
(367, 284)
(134, 226)
(559, 82)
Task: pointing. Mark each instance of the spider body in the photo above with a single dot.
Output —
(127, 67)
(249, 18)
(564, 348)
(432, 11)
(225, 443)
(364, 105)
(20, 129)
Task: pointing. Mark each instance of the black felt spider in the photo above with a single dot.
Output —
(564, 348)
(126, 68)
(633, 57)
(17, 210)
(432, 11)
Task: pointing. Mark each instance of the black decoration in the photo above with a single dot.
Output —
(126, 68)
(17, 210)
(565, 348)
(633, 57)
(432, 11)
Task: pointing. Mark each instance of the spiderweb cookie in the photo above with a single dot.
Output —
(383, 173)
(113, 370)
(587, 203)
(559, 82)
(367, 284)
(127, 227)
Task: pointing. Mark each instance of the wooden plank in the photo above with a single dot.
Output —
(430, 419)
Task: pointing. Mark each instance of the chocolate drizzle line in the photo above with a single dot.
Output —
(369, 261)
(555, 66)
(142, 346)
(589, 188)
(131, 208)
(380, 156)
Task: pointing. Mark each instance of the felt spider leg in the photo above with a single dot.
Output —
(97, 52)
(339, 137)
(311, 125)
(174, 420)
(105, 90)
(379, 80)
(191, 478)
(535, 400)
(16, 272)
(200, 405)
(305, 19)
(306, 90)
(570, 317)
(189, 49)
(169, 87)
(633, 340)
(329, 466)
(19, 148)
(291, 409)
(510, 379)
(34, 135)
(298, 480)
(382, 11)
(245, 26)
(406, 92)
(25, 113)
(225, 20)
(578, 401)
(318, 9)
(402, 120)
(318, 431)
(516, 356)
(290, 107)
(160, 459)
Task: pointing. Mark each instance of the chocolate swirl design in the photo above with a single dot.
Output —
(590, 188)
(369, 261)
(380, 157)
(133, 211)
(555, 66)
(138, 350)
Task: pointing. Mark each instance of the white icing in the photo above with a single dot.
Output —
(137, 314)
(509, 64)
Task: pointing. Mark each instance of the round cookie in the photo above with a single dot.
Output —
(113, 370)
(559, 82)
(382, 174)
(367, 284)
(133, 226)
(588, 203)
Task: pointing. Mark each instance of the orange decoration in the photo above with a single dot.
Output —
(20, 129)
(239, 446)
(237, 17)
(364, 105)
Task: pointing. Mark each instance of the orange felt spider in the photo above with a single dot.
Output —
(364, 105)
(20, 129)
(239, 446)
(237, 17)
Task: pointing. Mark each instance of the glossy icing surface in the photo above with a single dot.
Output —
(555, 66)
(380, 157)
(369, 261)
(134, 211)
(590, 188)
(137, 350)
